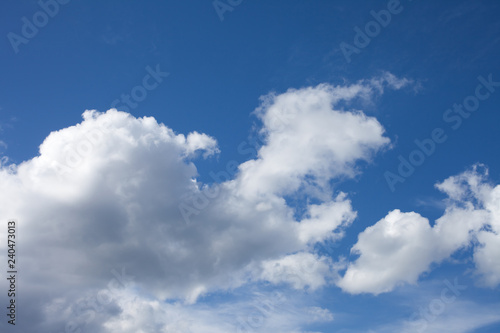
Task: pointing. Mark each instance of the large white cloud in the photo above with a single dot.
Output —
(401, 246)
(105, 195)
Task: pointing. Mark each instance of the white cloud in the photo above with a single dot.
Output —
(131, 312)
(105, 194)
(300, 270)
(472, 190)
(396, 249)
(305, 136)
(401, 246)
(391, 81)
(321, 219)
(196, 141)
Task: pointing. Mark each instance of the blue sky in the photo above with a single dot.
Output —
(315, 220)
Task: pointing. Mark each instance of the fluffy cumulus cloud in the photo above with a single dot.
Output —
(395, 249)
(401, 246)
(105, 211)
(471, 191)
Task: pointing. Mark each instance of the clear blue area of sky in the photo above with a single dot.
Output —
(91, 52)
